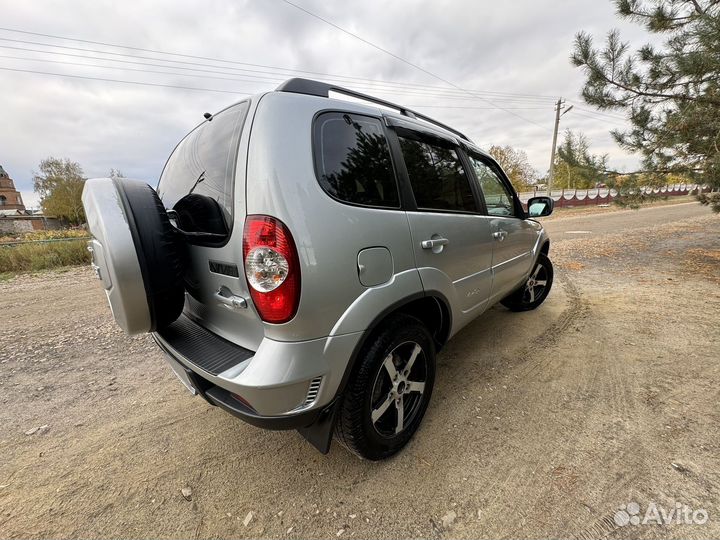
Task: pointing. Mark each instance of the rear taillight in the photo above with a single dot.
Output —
(272, 268)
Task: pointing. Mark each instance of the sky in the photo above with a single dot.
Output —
(513, 57)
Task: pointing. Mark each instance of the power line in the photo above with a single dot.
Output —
(371, 44)
(253, 79)
(271, 76)
(419, 106)
(81, 49)
(194, 63)
(197, 70)
(425, 105)
(267, 76)
(603, 120)
(125, 82)
(409, 63)
(599, 113)
(155, 51)
(189, 87)
(126, 69)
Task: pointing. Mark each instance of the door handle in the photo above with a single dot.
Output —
(500, 235)
(232, 302)
(434, 242)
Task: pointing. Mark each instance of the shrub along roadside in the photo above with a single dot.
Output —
(43, 256)
(42, 235)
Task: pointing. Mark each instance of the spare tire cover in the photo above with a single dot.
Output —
(137, 254)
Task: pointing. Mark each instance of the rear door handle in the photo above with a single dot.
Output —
(500, 235)
(230, 300)
(434, 242)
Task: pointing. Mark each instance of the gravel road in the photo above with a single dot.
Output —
(542, 423)
(560, 226)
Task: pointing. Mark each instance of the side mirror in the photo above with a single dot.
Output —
(540, 206)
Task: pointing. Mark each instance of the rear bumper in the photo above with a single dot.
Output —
(220, 397)
(282, 385)
(225, 400)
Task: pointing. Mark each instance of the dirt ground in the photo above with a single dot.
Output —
(566, 211)
(542, 423)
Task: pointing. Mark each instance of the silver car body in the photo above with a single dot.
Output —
(358, 263)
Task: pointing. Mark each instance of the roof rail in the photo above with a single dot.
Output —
(321, 89)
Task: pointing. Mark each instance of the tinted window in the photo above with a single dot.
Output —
(352, 160)
(437, 176)
(204, 161)
(498, 199)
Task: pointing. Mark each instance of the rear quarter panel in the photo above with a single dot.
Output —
(328, 234)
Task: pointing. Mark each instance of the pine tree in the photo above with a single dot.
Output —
(575, 166)
(671, 93)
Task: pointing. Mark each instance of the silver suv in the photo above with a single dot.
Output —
(305, 256)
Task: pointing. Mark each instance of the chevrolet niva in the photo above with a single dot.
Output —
(304, 257)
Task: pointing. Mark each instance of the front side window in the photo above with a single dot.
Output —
(204, 162)
(352, 160)
(437, 176)
(498, 199)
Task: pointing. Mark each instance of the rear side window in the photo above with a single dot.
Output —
(437, 176)
(352, 160)
(204, 162)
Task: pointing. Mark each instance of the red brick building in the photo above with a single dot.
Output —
(10, 198)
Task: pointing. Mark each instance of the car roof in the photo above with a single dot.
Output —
(395, 113)
(321, 89)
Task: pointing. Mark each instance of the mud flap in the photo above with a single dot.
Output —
(320, 432)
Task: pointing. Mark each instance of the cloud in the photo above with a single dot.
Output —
(517, 47)
(30, 199)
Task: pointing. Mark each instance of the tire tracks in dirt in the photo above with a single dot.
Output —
(594, 382)
(524, 363)
(530, 363)
(576, 312)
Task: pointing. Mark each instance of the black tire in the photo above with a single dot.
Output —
(160, 251)
(523, 299)
(371, 386)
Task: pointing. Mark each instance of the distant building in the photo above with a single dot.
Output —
(14, 218)
(10, 198)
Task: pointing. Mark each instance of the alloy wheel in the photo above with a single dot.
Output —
(536, 284)
(399, 388)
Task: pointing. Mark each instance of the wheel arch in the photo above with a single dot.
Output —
(431, 307)
(545, 248)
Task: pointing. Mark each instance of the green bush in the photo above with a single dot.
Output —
(42, 256)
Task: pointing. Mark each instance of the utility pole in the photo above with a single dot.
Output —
(558, 107)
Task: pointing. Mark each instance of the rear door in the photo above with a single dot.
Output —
(451, 238)
(203, 182)
(513, 236)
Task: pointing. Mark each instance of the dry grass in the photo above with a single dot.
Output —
(705, 262)
(42, 235)
(572, 266)
(42, 256)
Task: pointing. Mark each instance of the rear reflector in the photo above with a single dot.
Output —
(272, 268)
(242, 400)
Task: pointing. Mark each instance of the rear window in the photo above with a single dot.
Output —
(352, 160)
(437, 176)
(204, 161)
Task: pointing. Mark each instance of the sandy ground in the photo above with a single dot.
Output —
(542, 423)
